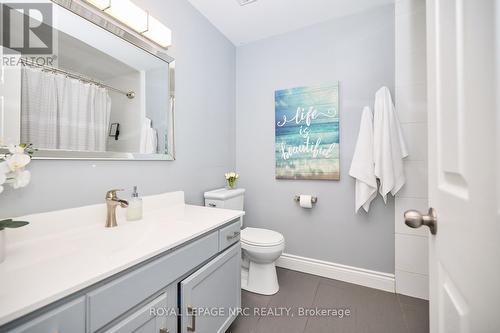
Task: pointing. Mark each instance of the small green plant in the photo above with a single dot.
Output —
(231, 178)
(28, 149)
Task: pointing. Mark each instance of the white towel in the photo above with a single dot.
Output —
(362, 166)
(151, 142)
(389, 147)
(149, 139)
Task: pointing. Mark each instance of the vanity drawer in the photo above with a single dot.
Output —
(144, 319)
(115, 298)
(229, 235)
(68, 318)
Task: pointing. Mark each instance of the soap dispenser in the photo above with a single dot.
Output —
(134, 210)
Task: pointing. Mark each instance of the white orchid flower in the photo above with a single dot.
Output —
(16, 149)
(4, 168)
(21, 179)
(18, 161)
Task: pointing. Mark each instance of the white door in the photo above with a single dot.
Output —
(464, 155)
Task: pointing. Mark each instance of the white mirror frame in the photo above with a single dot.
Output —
(116, 28)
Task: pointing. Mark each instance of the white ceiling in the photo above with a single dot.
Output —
(266, 18)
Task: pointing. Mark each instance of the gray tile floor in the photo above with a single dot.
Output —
(372, 311)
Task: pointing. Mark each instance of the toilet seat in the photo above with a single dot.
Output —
(261, 237)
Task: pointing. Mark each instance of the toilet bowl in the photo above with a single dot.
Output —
(260, 250)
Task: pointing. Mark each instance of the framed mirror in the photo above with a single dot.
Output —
(104, 92)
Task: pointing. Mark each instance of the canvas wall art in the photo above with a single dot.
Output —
(307, 133)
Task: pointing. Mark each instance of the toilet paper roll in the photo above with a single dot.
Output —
(306, 201)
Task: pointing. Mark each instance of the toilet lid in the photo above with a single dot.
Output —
(262, 237)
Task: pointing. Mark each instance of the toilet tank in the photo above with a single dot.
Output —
(224, 198)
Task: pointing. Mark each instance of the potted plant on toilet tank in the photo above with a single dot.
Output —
(13, 173)
(231, 178)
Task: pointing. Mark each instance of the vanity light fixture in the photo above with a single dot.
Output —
(130, 14)
(158, 33)
(101, 4)
(137, 19)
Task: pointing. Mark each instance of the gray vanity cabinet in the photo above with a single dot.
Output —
(211, 295)
(117, 297)
(66, 318)
(144, 320)
(208, 269)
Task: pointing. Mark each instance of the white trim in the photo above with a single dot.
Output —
(412, 284)
(360, 276)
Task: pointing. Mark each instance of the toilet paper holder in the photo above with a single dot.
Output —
(313, 199)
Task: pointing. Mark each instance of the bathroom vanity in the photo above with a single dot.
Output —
(176, 270)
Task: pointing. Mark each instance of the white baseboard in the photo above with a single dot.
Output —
(360, 276)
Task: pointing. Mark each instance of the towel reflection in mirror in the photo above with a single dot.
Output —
(149, 138)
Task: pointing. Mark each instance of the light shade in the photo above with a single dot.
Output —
(130, 14)
(101, 4)
(158, 33)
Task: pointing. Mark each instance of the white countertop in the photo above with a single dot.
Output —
(62, 252)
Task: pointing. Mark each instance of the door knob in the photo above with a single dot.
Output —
(415, 219)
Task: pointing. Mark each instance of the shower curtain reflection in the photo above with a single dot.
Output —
(58, 112)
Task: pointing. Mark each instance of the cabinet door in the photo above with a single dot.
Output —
(113, 299)
(211, 296)
(145, 320)
(68, 318)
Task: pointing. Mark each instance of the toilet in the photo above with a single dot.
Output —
(260, 247)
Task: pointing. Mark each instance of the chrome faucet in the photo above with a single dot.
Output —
(112, 201)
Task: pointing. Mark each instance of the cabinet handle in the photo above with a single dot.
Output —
(212, 205)
(163, 330)
(235, 235)
(192, 327)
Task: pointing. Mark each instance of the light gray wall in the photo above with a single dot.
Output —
(359, 52)
(205, 90)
